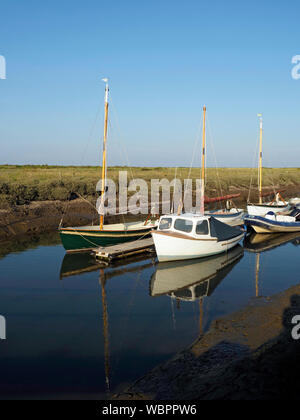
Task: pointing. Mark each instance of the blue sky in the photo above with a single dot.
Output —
(164, 60)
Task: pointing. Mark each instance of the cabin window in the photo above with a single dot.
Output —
(183, 225)
(202, 228)
(165, 223)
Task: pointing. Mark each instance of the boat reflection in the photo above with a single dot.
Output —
(79, 263)
(260, 242)
(193, 279)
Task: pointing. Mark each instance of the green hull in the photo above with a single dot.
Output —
(78, 240)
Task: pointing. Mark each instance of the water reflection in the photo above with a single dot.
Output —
(260, 242)
(194, 279)
(111, 325)
(79, 263)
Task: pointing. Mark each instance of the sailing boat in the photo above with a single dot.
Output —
(193, 235)
(278, 204)
(230, 215)
(90, 237)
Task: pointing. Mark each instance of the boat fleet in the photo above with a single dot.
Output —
(186, 236)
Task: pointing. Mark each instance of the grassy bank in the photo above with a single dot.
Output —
(24, 184)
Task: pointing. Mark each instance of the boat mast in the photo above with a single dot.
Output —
(260, 156)
(202, 181)
(104, 150)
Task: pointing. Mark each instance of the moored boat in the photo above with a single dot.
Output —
(191, 236)
(194, 235)
(275, 222)
(276, 205)
(90, 237)
(231, 215)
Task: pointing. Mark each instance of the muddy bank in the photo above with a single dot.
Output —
(248, 355)
(44, 216)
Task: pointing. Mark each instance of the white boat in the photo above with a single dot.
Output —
(260, 208)
(194, 235)
(275, 222)
(190, 236)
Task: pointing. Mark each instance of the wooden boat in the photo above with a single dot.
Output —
(275, 222)
(276, 205)
(90, 237)
(191, 280)
(194, 235)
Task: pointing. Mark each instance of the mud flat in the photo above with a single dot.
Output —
(248, 355)
(43, 216)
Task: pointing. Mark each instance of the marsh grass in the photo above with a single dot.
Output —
(24, 184)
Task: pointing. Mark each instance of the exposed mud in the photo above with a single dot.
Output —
(248, 355)
(45, 216)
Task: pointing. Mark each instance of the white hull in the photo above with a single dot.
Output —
(275, 223)
(172, 248)
(276, 229)
(262, 210)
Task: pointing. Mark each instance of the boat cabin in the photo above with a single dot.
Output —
(197, 226)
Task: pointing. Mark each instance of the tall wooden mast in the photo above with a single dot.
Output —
(203, 164)
(104, 151)
(260, 156)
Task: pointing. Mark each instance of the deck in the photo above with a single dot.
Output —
(128, 249)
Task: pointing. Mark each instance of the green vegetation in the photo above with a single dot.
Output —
(24, 184)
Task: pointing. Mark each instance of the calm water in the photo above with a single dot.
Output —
(74, 330)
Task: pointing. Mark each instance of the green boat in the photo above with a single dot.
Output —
(90, 237)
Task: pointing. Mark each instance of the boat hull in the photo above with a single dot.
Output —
(78, 240)
(263, 209)
(170, 247)
(263, 225)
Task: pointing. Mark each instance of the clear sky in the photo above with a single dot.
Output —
(164, 60)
